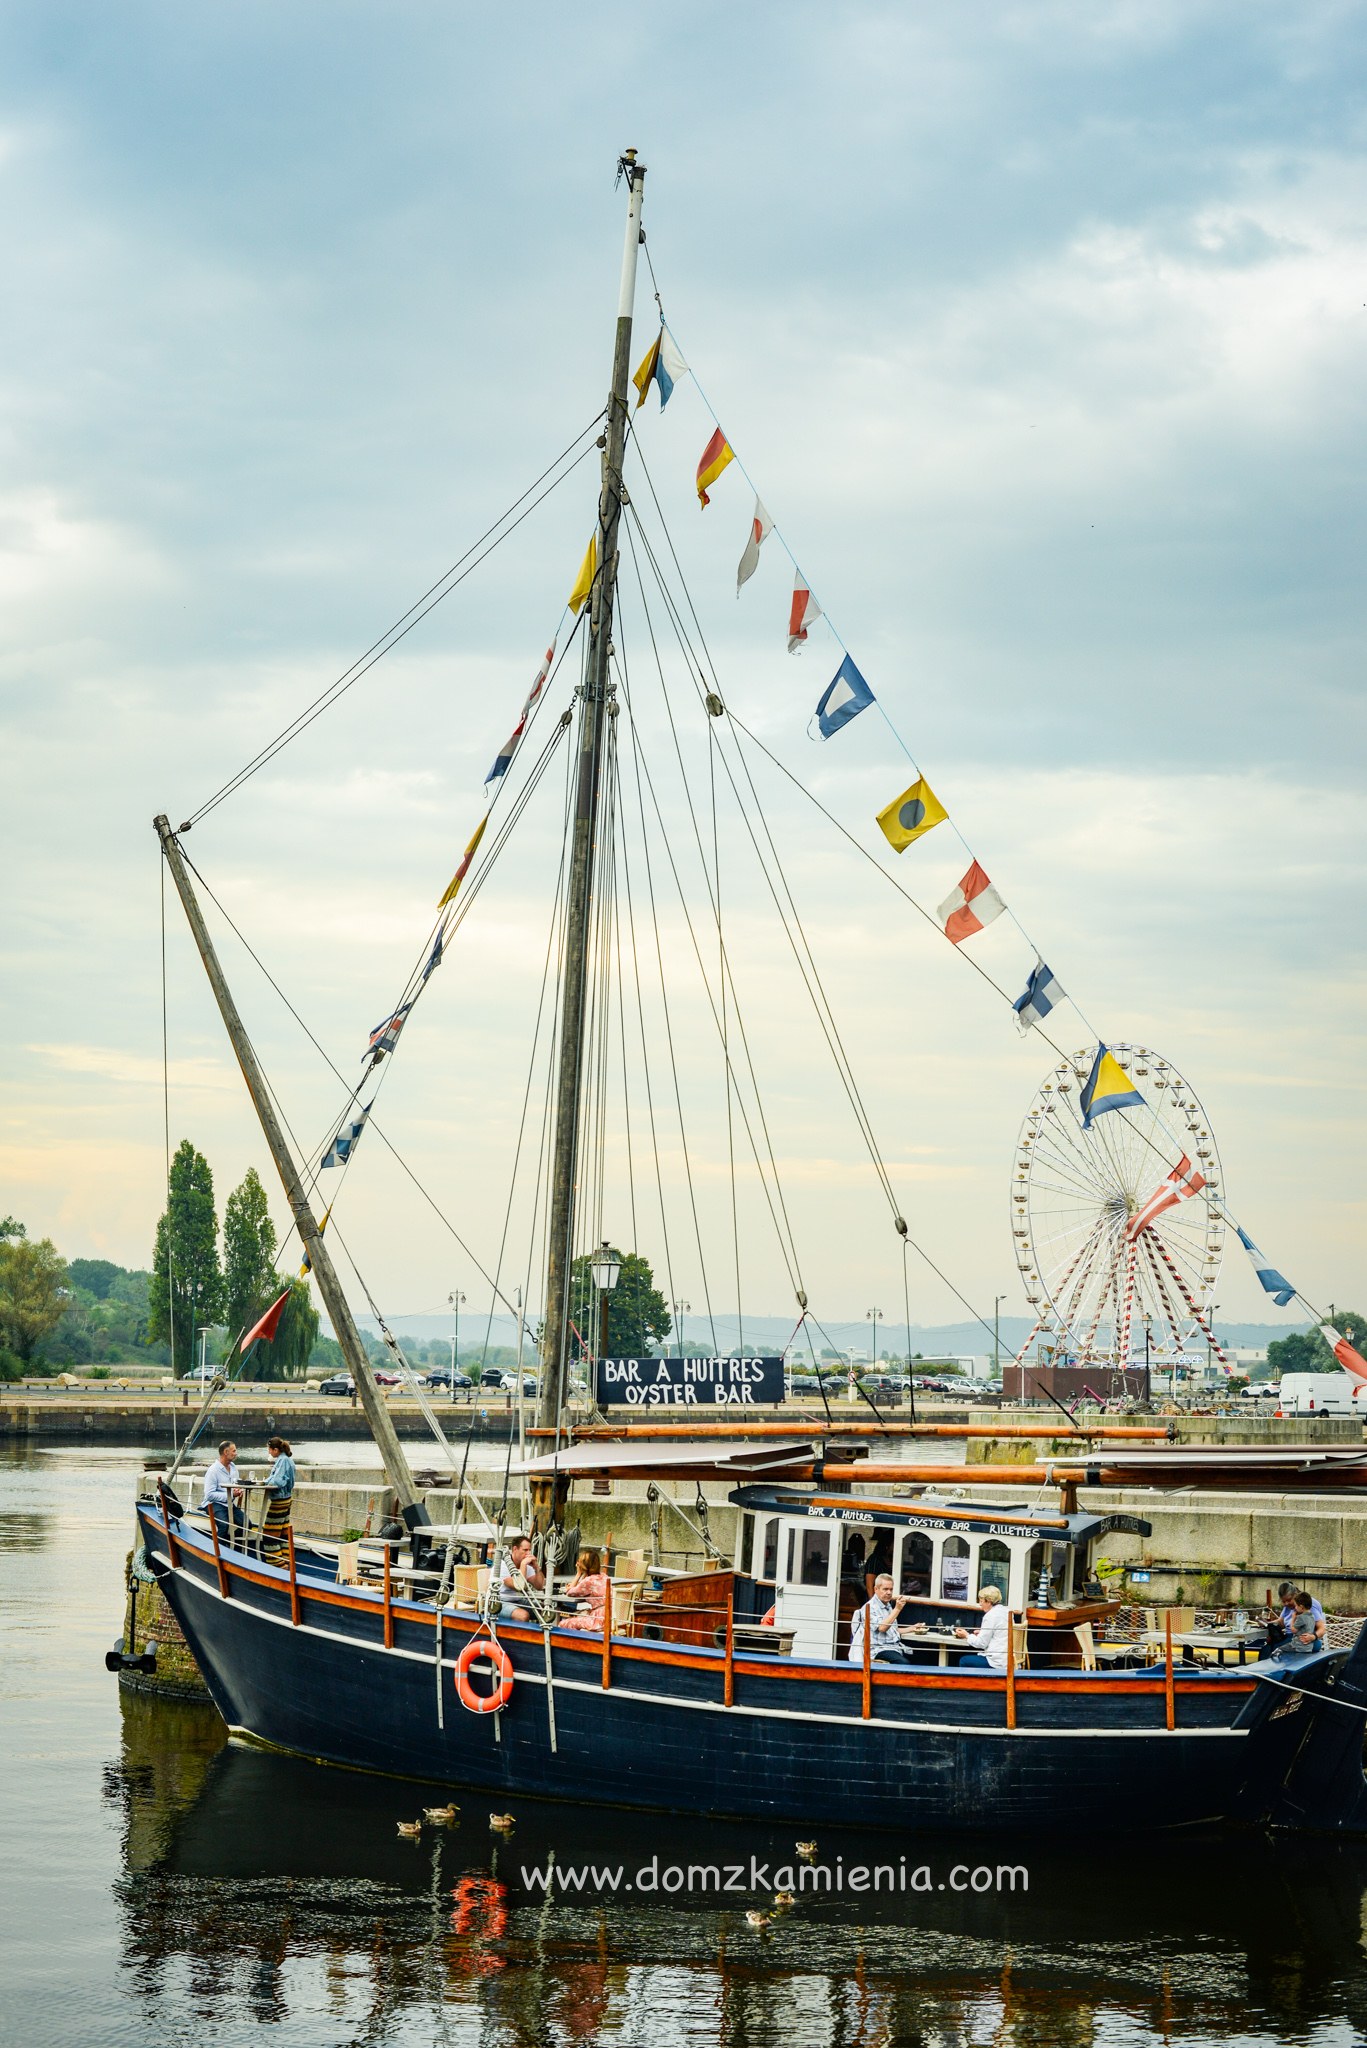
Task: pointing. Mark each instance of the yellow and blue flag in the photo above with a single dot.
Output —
(1108, 1086)
(911, 815)
(662, 365)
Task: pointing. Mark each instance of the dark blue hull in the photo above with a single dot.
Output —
(935, 1751)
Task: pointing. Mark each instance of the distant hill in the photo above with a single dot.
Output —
(770, 1333)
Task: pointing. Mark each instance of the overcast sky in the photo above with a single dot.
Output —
(1041, 329)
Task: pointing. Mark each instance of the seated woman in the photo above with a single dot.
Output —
(991, 1640)
(591, 1584)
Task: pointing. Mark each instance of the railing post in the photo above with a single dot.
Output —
(388, 1599)
(607, 1619)
(172, 1543)
(728, 1691)
(1010, 1670)
(866, 1704)
(1169, 1691)
(218, 1556)
(294, 1577)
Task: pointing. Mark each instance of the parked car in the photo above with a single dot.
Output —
(337, 1383)
(443, 1378)
(383, 1378)
(492, 1376)
(508, 1383)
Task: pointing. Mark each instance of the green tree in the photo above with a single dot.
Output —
(638, 1314)
(94, 1276)
(249, 1241)
(1306, 1350)
(286, 1357)
(187, 1289)
(33, 1294)
(10, 1226)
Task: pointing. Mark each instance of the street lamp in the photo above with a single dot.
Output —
(455, 1300)
(605, 1269)
(997, 1301)
(871, 1315)
(681, 1309)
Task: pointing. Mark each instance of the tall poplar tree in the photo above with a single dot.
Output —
(186, 1295)
(249, 1244)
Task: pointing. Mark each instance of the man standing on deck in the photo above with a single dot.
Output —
(223, 1492)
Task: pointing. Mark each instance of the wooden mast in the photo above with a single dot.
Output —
(594, 713)
(320, 1260)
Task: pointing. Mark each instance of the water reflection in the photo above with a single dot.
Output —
(260, 1885)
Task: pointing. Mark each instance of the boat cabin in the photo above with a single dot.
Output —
(814, 1558)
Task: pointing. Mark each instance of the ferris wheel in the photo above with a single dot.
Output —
(1118, 1231)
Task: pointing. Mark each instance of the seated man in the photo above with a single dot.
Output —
(993, 1638)
(518, 1574)
(881, 1616)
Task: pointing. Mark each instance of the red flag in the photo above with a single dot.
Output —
(803, 612)
(268, 1324)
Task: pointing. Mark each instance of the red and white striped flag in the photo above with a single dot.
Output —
(803, 614)
(969, 907)
(1181, 1182)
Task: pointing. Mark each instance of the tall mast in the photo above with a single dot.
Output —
(593, 722)
(320, 1259)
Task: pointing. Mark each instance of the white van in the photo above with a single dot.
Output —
(1322, 1393)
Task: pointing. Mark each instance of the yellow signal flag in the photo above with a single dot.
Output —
(911, 815)
(583, 582)
(464, 868)
(649, 364)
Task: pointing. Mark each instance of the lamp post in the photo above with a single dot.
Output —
(681, 1309)
(997, 1301)
(871, 1315)
(605, 1269)
(455, 1300)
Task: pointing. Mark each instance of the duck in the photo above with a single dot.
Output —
(441, 1816)
(410, 1829)
(759, 1920)
(502, 1823)
(807, 1851)
(784, 1902)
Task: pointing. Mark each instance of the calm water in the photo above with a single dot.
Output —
(160, 1887)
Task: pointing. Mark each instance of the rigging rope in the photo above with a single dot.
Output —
(450, 580)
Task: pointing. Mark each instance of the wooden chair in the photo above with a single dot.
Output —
(1020, 1644)
(627, 1582)
(1086, 1642)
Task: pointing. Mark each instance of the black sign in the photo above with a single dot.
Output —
(688, 1382)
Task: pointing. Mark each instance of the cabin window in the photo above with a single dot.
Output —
(994, 1567)
(1050, 1574)
(792, 1547)
(816, 1557)
(747, 1543)
(954, 1569)
(770, 1570)
(917, 1561)
(1037, 1576)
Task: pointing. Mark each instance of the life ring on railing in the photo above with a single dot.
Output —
(489, 1650)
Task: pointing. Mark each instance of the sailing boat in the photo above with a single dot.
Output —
(747, 1690)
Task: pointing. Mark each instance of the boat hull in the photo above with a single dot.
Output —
(934, 1753)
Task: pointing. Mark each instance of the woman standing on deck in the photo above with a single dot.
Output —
(279, 1499)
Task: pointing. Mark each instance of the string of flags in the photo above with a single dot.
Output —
(975, 902)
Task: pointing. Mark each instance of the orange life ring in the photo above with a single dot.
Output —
(489, 1650)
